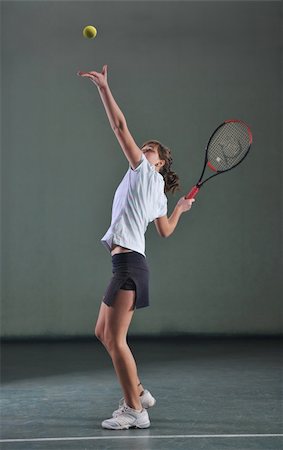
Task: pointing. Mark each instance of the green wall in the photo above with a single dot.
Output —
(177, 70)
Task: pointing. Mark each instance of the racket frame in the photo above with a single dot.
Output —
(193, 192)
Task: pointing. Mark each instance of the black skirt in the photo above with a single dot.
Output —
(130, 272)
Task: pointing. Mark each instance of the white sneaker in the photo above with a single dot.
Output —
(128, 418)
(147, 401)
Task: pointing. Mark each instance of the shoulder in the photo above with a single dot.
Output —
(140, 165)
(143, 165)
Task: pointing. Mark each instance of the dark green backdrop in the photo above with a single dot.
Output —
(176, 69)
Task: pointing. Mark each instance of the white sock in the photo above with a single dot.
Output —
(136, 410)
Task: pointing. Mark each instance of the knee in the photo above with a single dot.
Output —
(98, 332)
(113, 343)
(106, 338)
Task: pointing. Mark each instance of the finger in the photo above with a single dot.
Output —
(84, 74)
(91, 77)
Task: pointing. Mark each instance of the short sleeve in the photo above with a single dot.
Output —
(162, 211)
(141, 163)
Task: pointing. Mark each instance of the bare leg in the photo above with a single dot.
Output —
(126, 371)
(115, 321)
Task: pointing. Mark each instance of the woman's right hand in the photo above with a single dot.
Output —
(185, 204)
(98, 78)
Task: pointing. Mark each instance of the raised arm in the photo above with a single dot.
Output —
(116, 117)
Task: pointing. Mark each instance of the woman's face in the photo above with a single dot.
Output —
(151, 154)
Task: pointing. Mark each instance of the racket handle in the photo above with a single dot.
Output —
(193, 192)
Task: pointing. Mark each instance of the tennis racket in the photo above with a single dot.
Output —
(227, 147)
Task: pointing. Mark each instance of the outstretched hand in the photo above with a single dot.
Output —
(98, 78)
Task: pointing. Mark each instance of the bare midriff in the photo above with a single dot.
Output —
(118, 249)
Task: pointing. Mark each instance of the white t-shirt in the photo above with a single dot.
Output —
(138, 200)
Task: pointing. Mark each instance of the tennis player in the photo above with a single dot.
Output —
(139, 199)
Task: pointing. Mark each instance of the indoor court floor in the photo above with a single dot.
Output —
(212, 393)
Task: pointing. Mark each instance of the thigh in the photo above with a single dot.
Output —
(119, 315)
(100, 322)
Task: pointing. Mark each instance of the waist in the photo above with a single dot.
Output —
(118, 249)
(128, 260)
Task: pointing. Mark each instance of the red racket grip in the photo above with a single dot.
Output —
(193, 192)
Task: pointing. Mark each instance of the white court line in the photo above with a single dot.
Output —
(157, 436)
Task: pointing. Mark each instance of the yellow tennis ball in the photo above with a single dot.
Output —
(89, 32)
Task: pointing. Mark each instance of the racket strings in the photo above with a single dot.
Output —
(228, 145)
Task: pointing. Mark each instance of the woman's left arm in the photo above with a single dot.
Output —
(116, 118)
(115, 115)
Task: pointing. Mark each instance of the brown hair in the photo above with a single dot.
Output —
(172, 181)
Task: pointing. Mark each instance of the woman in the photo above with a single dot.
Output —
(139, 199)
